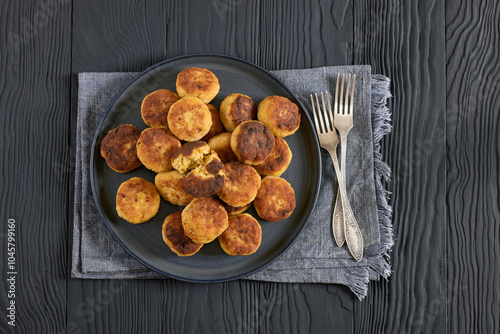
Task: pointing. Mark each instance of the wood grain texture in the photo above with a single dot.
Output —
(442, 58)
(232, 27)
(118, 36)
(169, 306)
(35, 168)
(473, 163)
(405, 41)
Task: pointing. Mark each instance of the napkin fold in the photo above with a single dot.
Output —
(314, 256)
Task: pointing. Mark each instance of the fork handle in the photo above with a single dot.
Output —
(353, 236)
(338, 212)
(338, 219)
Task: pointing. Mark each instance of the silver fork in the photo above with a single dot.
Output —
(343, 122)
(329, 141)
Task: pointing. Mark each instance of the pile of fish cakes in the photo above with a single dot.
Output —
(215, 163)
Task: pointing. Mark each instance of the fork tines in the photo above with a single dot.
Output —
(346, 108)
(322, 120)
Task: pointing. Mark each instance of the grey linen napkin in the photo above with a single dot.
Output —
(314, 257)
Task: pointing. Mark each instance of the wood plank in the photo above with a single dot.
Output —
(118, 36)
(136, 37)
(405, 41)
(35, 62)
(473, 140)
(250, 307)
(114, 306)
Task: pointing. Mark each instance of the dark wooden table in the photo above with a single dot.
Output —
(443, 60)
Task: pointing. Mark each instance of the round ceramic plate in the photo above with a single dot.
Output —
(144, 241)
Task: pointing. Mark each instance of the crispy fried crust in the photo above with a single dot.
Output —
(155, 107)
(137, 200)
(201, 169)
(197, 82)
(280, 115)
(175, 238)
(242, 237)
(118, 147)
(189, 119)
(235, 109)
(217, 126)
(278, 160)
(232, 211)
(241, 183)
(252, 142)
(221, 144)
(275, 199)
(204, 219)
(155, 147)
(206, 179)
(167, 184)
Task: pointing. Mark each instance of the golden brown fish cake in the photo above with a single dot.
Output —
(189, 156)
(217, 126)
(241, 183)
(189, 119)
(278, 160)
(137, 200)
(221, 144)
(280, 115)
(252, 142)
(175, 238)
(154, 148)
(167, 184)
(235, 109)
(204, 219)
(155, 107)
(201, 169)
(232, 211)
(119, 150)
(242, 237)
(275, 199)
(197, 82)
(206, 179)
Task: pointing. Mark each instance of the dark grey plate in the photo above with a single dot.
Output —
(144, 241)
